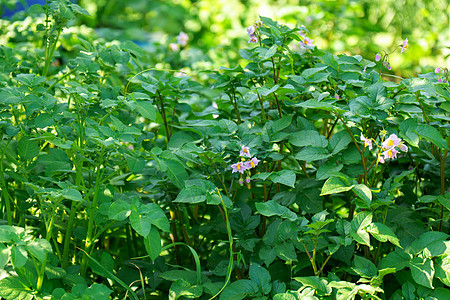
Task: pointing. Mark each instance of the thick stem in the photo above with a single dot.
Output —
(49, 55)
(92, 211)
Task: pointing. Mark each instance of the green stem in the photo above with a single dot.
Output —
(5, 192)
(323, 265)
(49, 55)
(92, 211)
(163, 114)
(441, 214)
(73, 211)
(230, 240)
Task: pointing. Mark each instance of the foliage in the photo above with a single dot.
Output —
(120, 179)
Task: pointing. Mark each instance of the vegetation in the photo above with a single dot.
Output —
(148, 172)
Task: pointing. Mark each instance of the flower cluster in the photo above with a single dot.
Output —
(390, 147)
(384, 56)
(244, 164)
(442, 73)
(251, 30)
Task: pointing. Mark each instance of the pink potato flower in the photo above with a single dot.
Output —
(252, 39)
(367, 142)
(182, 39)
(378, 57)
(391, 142)
(238, 167)
(404, 46)
(251, 30)
(252, 163)
(245, 151)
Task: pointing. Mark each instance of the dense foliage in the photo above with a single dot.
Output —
(298, 174)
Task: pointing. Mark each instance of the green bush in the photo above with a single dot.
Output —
(298, 174)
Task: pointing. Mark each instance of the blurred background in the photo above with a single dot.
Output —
(216, 28)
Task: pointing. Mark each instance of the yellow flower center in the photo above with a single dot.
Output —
(390, 153)
(391, 143)
(252, 164)
(245, 150)
(238, 167)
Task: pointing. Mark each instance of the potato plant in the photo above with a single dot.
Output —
(296, 174)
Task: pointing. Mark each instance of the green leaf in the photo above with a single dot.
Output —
(14, 288)
(192, 194)
(422, 271)
(153, 244)
(272, 208)
(364, 267)
(267, 254)
(173, 275)
(43, 120)
(270, 52)
(383, 233)
(141, 223)
(432, 135)
(327, 169)
(10, 96)
(182, 288)
(261, 277)
(27, 148)
(4, 255)
(39, 248)
(238, 290)
(335, 185)
(358, 228)
(420, 84)
(443, 269)
(364, 193)
(397, 260)
(106, 267)
(146, 109)
(72, 194)
(286, 177)
(54, 272)
(282, 123)
(286, 296)
(424, 240)
(311, 153)
(308, 138)
(136, 164)
(339, 141)
(19, 256)
(157, 216)
(320, 285)
(30, 80)
(176, 173)
(97, 291)
(119, 210)
(311, 71)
